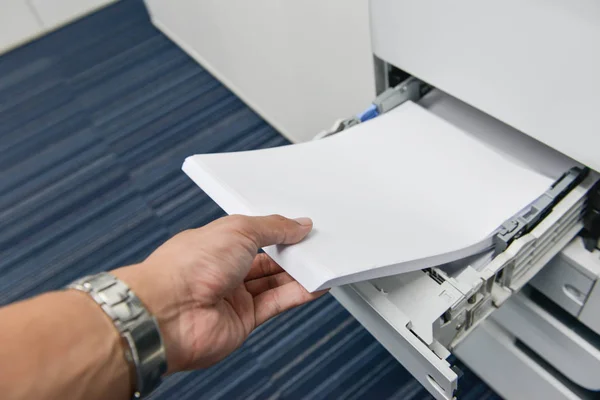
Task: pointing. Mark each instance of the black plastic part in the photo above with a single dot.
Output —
(396, 76)
(591, 219)
(529, 218)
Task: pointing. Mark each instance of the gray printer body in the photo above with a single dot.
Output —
(522, 77)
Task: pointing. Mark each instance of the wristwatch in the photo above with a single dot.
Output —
(144, 349)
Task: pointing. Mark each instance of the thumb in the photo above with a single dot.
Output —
(273, 229)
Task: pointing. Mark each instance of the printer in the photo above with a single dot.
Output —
(522, 76)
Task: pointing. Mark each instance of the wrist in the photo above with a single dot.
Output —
(155, 289)
(138, 328)
(159, 294)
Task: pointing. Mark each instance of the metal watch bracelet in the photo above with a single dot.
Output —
(145, 349)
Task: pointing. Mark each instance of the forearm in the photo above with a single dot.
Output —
(61, 345)
(206, 288)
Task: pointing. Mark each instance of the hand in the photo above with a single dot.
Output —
(209, 289)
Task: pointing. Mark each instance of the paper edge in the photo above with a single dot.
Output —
(415, 265)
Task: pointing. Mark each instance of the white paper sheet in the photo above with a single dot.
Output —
(402, 192)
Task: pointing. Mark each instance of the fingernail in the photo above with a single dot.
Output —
(304, 221)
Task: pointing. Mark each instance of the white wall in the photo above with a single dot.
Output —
(17, 22)
(301, 64)
(54, 13)
(24, 20)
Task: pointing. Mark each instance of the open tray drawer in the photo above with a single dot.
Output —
(421, 316)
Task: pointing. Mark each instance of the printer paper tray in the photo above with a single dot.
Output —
(401, 327)
(419, 317)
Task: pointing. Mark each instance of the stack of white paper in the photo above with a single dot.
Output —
(404, 191)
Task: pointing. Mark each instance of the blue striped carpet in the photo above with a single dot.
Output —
(95, 121)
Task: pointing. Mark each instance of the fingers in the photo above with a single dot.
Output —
(261, 285)
(275, 301)
(271, 230)
(263, 265)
